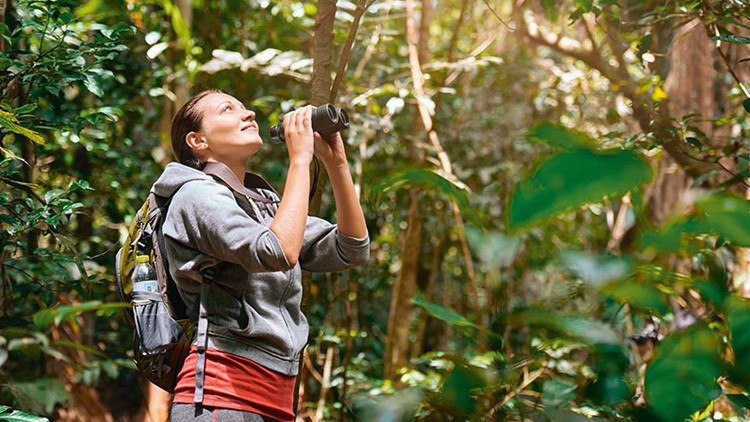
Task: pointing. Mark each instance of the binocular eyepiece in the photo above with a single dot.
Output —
(326, 120)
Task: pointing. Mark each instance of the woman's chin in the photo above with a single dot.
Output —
(253, 147)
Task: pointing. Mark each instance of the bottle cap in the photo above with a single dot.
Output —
(142, 259)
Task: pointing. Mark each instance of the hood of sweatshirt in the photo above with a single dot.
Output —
(174, 176)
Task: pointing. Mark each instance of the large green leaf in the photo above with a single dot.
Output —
(441, 313)
(560, 136)
(458, 389)
(572, 178)
(725, 215)
(721, 214)
(738, 317)
(681, 377)
(426, 178)
(642, 296)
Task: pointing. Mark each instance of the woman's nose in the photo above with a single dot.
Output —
(249, 115)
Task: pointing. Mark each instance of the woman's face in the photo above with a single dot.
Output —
(229, 130)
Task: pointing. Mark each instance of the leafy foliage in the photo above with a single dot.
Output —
(561, 286)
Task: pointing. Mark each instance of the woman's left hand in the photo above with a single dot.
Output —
(331, 150)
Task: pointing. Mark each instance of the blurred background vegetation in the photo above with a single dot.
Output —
(555, 191)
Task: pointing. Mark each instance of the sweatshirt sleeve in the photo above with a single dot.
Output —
(324, 248)
(206, 216)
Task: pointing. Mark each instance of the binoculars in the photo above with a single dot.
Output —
(326, 120)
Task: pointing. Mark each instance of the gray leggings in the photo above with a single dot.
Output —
(187, 412)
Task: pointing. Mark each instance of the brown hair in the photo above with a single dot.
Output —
(188, 119)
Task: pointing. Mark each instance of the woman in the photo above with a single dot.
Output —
(236, 251)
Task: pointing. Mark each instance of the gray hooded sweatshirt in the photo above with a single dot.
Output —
(254, 303)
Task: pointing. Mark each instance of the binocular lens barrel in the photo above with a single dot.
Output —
(326, 120)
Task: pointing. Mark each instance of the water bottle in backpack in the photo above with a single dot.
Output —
(144, 275)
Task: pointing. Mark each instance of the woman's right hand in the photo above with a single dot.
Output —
(299, 135)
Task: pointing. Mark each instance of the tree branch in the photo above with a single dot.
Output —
(347, 49)
(658, 123)
(729, 66)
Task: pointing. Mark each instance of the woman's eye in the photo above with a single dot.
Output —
(227, 108)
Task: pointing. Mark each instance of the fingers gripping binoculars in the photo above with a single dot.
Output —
(326, 120)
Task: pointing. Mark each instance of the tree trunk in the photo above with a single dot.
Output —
(321, 91)
(182, 83)
(689, 86)
(404, 287)
(322, 52)
(438, 255)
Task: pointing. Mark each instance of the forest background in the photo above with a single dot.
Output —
(554, 190)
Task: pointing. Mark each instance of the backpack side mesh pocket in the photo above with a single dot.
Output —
(162, 331)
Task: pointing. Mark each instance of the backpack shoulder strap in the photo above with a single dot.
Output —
(202, 336)
(224, 175)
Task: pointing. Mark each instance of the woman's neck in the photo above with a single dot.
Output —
(238, 168)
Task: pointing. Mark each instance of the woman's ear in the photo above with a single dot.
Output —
(196, 142)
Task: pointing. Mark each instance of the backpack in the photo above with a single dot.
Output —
(163, 331)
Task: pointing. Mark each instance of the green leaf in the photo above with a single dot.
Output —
(58, 315)
(441, 313)
(44, 394)
(427, 178)
(609, 388)
(178, 24)
(645, 44)
(87, 349)
(740, 401)
(725, 215)
(42, 319)
(670, 237)
(9, 121)
(557, 393)
(457, 392)
(711, 291)
(589, 331)
(639, 295)
(681, 377)
(3, 352)
(27, 108)
(738, 317)
(550, 9)
(93, 86)
(732, 38)
(53, 194)
(596, 270)
(493, 249)
(18, 416)
(560, 136)
(571, 179)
